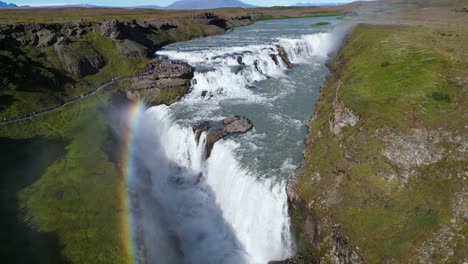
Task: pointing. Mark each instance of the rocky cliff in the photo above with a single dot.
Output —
(39, 59)
(384, 177)
(130, 38)
(164, 82)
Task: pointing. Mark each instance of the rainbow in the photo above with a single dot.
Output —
(134, 117)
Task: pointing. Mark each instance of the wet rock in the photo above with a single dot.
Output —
(240, 61)
(199, 128)
(237, 124)
(231, 125)
(274, 58)
(284, 56)
(211, 138)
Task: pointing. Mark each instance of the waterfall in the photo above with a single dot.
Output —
(216, 210)
(229, 72)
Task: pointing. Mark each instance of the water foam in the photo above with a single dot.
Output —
(230, 79)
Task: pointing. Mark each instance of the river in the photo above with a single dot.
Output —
(232, 207)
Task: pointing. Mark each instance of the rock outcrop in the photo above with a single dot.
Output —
(341, 116)
(284, 56)
(231, 125)
(132, 39)
(164, 76)
(80, 60)
(113, 29)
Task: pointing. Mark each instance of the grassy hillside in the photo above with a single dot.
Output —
(60, 15)
(76, 197)
(34, 78)
(384, 178)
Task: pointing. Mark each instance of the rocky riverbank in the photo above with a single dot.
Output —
(384, 173)
(163, 77)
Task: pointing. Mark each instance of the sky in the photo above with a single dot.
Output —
(157, 2)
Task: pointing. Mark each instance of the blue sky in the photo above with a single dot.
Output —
(156, 2)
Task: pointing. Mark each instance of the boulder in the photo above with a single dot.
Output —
(237, 124)
(284, 56)
(274, 58)
(211, 138)
(231, 125)
(199, 128)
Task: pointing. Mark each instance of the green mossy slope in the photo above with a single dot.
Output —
(392, 187)
(77, 196)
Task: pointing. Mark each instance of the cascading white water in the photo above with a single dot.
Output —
(256, 209)
(237, 214)
(231, 77)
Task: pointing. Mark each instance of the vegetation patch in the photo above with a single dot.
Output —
(319, 24)
(442, 97)
(76, 197)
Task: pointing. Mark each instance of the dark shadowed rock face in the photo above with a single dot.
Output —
(113, 29)
(232, 125)
(80, 60)
(284, 56)
(199, 128)
(274, 58)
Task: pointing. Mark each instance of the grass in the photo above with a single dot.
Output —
(77, 196)
(395, 80)
(320, 24)
(60, 15)
(323, 13)
(33, 90)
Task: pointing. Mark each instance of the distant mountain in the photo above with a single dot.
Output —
(318, 4)
(5, 5)
(148, 7)
(68, 5)
(207, 4)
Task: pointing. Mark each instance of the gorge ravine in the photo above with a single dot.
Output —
(231, 207)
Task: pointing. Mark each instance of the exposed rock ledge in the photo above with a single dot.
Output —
(341, 116)
(164, 76)
(284, 56)
(231, 125)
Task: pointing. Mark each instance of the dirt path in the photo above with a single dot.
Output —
(73, 100)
